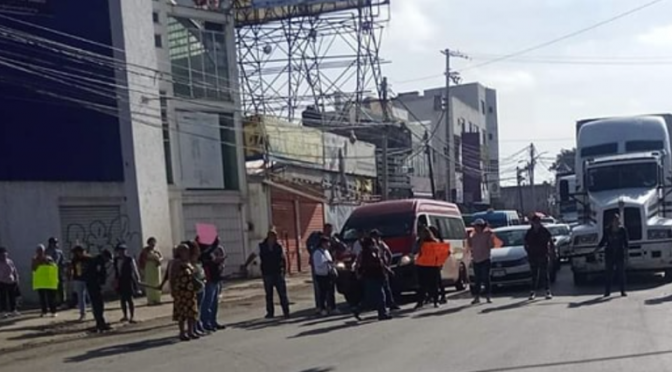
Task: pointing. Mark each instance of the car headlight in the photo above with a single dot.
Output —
(340, 266)
(405, 260)
(585, 239)
(659, 234)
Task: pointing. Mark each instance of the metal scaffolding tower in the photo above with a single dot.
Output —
(322, 54)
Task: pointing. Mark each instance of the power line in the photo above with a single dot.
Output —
(547, 43)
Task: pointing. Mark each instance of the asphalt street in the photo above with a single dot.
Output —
(575, 331)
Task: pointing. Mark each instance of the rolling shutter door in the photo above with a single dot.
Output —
(228, 220)
(312, 219)
(96, 228)
(284, 222)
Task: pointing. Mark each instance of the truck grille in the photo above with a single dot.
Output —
(632, 219)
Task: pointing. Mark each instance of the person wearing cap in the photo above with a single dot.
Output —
(54, 251)
(127, 279)
(273, 268)
(480, 244)
(79, 257)
(538, 245)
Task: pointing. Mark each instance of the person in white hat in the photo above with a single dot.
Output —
(480, 244)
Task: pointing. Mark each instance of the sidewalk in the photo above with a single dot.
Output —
(29, 330)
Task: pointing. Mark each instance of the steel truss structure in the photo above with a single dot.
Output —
(323, 56)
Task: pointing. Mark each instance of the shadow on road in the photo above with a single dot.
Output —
(658, 300)
(446, 311)
(319, 369)
(593, 301)
(324, 330)
(575, 362)
(133, 347)
(511, 306)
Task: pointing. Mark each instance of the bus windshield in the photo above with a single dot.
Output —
(623, 176)
(390, 226)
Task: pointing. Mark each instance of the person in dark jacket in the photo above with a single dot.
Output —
(273, 269)
(94, 274)
(538, 245)
(373, 271)
(615, 244)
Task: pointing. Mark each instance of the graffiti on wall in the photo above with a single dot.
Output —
(99, 235)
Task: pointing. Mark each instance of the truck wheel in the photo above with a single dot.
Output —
(463, 279)
(580, 279)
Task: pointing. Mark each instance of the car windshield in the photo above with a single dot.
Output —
(390, 226)
(558, 230)
(511, 238)
(495, 220)
(623, 176)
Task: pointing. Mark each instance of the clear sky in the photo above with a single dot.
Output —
(621, 68)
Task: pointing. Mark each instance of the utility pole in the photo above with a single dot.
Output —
(385, 161)
(447, 116)
(519, 181)
(429, 162)
(531, 166)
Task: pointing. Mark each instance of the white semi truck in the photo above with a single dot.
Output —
(624, 166)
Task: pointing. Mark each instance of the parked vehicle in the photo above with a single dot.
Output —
(497, 219)
(510, 265)
(398, 221)
(561, 238)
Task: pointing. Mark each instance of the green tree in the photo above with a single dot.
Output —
(564, 161)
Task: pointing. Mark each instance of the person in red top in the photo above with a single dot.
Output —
(538, 245)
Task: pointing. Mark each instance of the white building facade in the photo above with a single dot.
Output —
(165, 153)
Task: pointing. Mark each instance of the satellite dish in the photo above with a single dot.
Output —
(268, 49)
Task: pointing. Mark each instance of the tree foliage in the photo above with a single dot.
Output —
(564, 161)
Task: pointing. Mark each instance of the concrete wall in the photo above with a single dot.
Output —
(30, 215)
(141, 134)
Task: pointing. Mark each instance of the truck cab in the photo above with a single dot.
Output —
(623, 166)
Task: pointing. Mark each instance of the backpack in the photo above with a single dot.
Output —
(371, 262)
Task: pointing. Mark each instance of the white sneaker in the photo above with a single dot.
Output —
(16, 313)
(533, 295)
(549, 295)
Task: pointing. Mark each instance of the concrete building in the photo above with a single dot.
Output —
(141, 138)
(520, 199)
(474, 110)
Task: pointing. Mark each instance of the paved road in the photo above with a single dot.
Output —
(576, 331)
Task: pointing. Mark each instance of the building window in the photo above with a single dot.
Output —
(199, 59)
(158, 42)
(490, 109)
(229, 152)
(155, 17)
(483, 107)
(165, 126)
(490, 136)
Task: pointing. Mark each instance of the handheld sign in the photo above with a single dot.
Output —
(45, 277)
(207, 233)
(433, 254)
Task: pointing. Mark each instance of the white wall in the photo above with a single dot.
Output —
(30, 215)
(141, 134)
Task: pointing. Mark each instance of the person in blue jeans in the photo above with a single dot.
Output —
(77, 276)
(373, 271)
(213, 260)
(273, 268)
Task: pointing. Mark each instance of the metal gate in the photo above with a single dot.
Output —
(97, 228)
